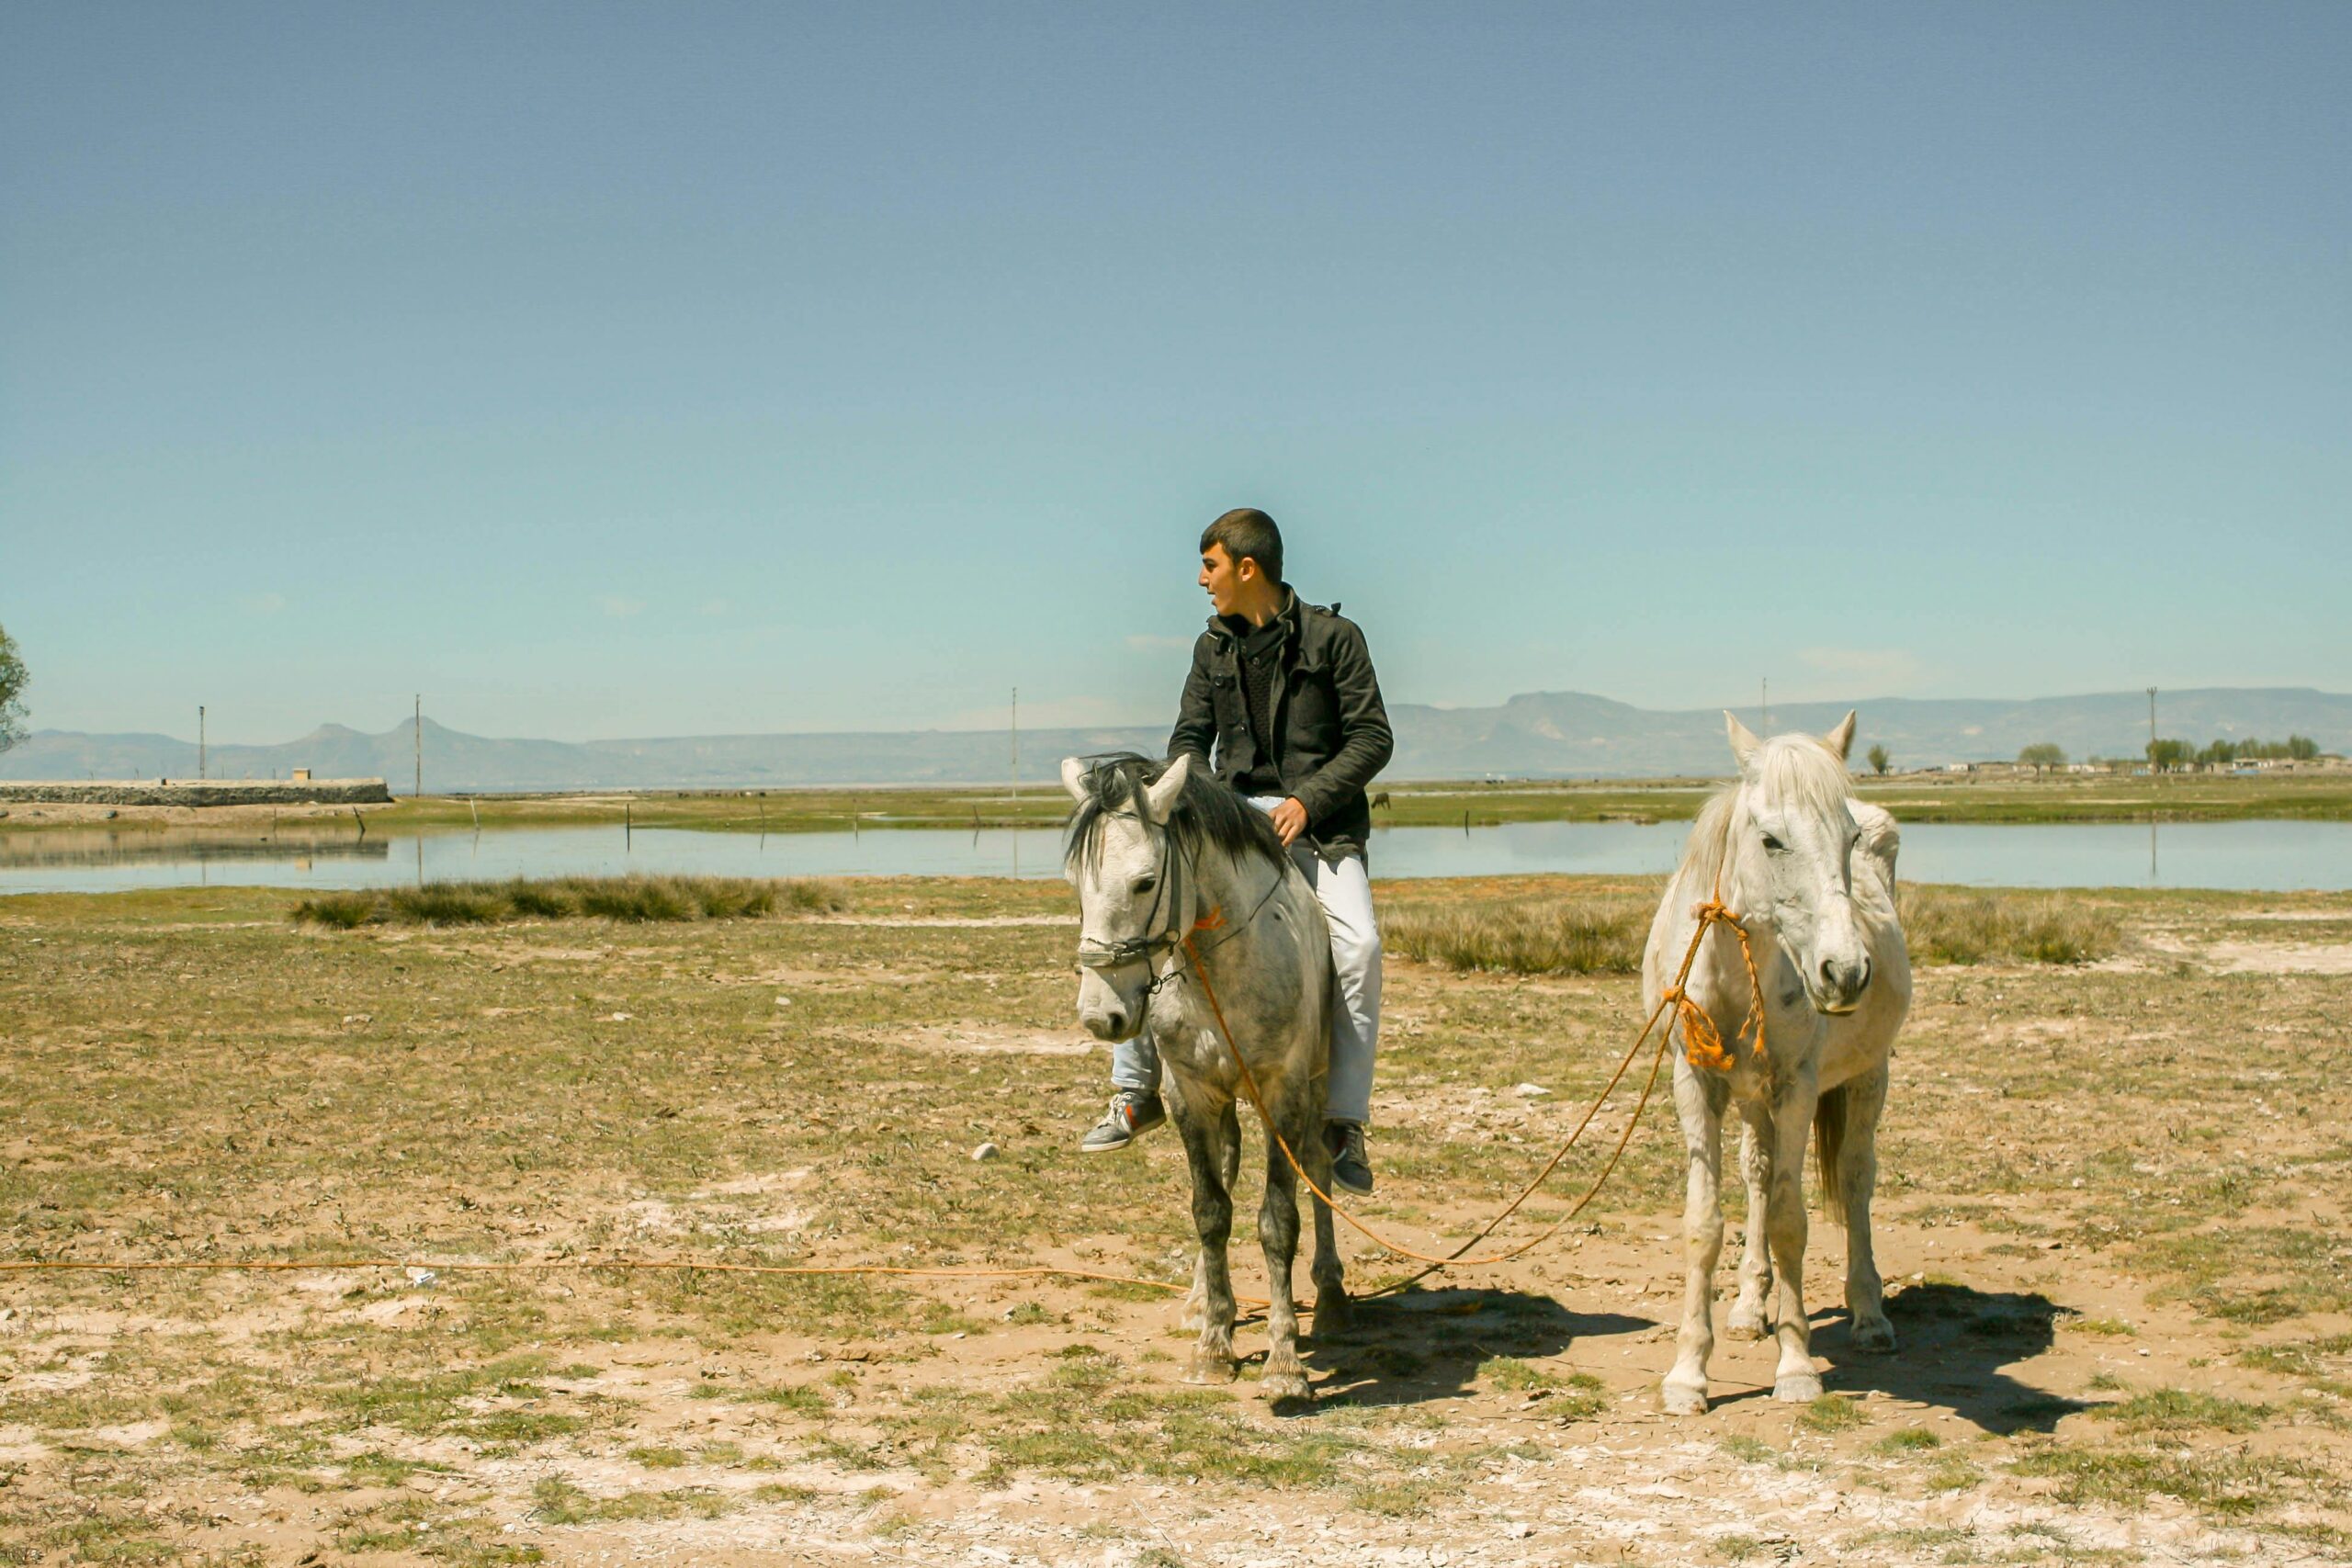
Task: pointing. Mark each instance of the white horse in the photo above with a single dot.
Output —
(1808, 871)
(1157, 852)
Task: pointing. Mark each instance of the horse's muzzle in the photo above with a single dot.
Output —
(1109, 1011)
(1839, 985)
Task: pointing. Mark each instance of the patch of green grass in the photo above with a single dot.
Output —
(659, 1457)
(2319, 1363)
(2184, 1410)
(2227, 1482)
(1747, 1449)
(1910, 1440)
(1831, 1413)
(377, 1468)
(557, 1501)
(799, 1398)
(2112, 1327)
(1953, 1473)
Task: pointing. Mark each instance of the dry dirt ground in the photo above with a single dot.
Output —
(2111, 1208)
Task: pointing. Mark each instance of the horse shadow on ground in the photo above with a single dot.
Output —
(1425, 1345)
(1953, 1343)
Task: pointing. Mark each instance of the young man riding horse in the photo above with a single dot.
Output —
(1284, 692)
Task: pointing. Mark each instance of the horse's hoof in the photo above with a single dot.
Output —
(1748, 1323)
(1874, 1336)
(1209, 1369)
(1681, 1399)
(1279, 1387)
(1797, 1387)
(1334, 1314)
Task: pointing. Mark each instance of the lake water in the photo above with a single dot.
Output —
(2254, 855)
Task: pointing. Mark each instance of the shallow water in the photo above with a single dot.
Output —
(2252, 855)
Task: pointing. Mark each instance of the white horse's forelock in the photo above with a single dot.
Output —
(1791, 772)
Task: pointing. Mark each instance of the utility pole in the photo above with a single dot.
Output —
(1016, 748)
(199, 740)
(419, 743)
(1768, 706)
(2152, 732)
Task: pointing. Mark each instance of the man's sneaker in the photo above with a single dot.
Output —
(1351, 1163)
(1132, 1112)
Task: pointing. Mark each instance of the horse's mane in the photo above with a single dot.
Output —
(1207, 812)
(1799, 769)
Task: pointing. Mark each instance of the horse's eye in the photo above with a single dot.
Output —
(1146, 883)
(1773, 844)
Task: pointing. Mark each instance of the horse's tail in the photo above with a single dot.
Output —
(1829, 1152)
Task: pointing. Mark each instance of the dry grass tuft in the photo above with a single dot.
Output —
(632, 899)
(1946, 927)
(1552, 936)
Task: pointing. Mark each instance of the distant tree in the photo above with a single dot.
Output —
(13, 682)
(2220, 751)
(2295, 748)
(1880, 760)
(2166, 756)
(2043, 754)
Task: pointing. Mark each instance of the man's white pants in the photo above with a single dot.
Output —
(1344, 890)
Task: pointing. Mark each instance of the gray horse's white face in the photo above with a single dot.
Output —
(1800, 840)
(1121, 897)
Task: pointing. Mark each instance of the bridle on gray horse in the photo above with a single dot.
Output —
(1164, 933)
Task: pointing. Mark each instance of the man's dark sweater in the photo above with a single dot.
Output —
(1261, 649)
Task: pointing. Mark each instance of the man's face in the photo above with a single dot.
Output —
(1223, 577)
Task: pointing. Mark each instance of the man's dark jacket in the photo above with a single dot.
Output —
(1330, 729)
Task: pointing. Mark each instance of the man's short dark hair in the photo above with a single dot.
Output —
(1247, 534)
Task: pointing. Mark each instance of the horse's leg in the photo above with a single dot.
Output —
(1795, 1379)
(1196, 1301)
(1204, 1146)
(1278, 1238)
(1857, 1179)
(1699, 1102)
(1749, 1319)
(1333, 1312)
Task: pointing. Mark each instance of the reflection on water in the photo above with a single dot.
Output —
(85, 847)
(2259, 855)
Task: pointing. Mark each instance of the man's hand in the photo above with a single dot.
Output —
(1290, 821)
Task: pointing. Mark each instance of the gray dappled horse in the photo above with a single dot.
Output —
(1156, 853)
(1809, 873)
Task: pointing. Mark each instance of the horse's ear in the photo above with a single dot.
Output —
(1743, 739)
(1159, 797)
(1841, 739)
(1074, 778)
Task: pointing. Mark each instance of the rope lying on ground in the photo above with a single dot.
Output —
(1703, 1043)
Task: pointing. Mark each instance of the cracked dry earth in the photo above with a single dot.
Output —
(2111, 1212)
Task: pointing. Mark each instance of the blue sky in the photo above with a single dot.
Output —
(606, 370)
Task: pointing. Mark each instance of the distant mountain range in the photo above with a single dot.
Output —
(1540, 735)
